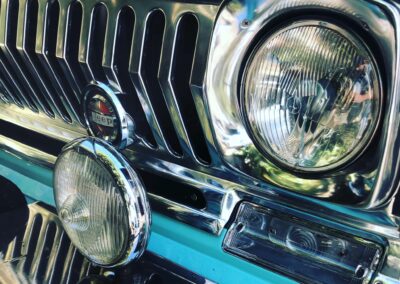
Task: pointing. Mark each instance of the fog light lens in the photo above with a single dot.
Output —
(101, 202)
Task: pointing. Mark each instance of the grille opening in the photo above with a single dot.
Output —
(96, 45)
(126, 21)
(11, 43)
(181, 74)
(32, 243)
(172, 190)
(45, 82)
(7, 85)
(60, 262)
(151, 60)
(13, 84)
(50, 234)
(31, 138)
(6, 91)
(65, 93)
(76, 266)
(72, 70)
(396, 205)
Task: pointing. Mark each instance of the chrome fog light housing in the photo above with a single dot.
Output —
(101, 202)
(311, 96)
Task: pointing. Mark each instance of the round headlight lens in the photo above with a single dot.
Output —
(311, 96)
(101, 203)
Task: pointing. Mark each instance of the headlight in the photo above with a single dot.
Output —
(311, 96)
(101, 202)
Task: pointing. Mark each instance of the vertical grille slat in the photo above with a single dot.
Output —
(40, 249)
(42, 253)
(67, 52)
(183, 55)
(14, 85)
(26, 40)
(151, 58)
(26, 43)
(167, 90)
(120, 67)
(55, 251)
(196, 83)
(84, 40)
(6, 90)
(29, 243)
(138, 81)
(8, 20)
(48, 20)
(110, 47)
(97, 42)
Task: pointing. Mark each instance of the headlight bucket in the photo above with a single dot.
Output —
(366, 182)
(101, 202)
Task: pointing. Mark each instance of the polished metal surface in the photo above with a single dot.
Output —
(370, 180)
(33, 82)
(64, 119)
(222, 186)
(125, 125)
(42, 253)
(300, 248)
(136, 204)
(60, 79)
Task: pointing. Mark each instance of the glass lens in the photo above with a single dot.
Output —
(311, 96)
(91, 207)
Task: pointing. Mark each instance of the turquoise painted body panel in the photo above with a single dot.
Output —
(191, 248)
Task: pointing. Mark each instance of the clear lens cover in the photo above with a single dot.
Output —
(311, 96)
(91, 207)
(101, 202)
(303, 250)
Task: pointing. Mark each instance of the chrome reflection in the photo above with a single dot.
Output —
(368, 182)
(113, 190)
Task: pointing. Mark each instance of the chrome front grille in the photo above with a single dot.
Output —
(154, 52)
(43, 253)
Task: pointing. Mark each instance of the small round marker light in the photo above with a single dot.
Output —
(101, 202)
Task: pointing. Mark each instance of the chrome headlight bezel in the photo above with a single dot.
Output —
(351, 157)
(372, 179)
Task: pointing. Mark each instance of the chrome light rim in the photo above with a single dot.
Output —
(362, 147)
(368, 183)
(124, 121)
(136, 202)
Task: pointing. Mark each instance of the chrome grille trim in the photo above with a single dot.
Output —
(26, 253)
(49, 86)
(52, 68)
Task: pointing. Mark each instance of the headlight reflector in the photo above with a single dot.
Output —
(311, 96)
(101, 202)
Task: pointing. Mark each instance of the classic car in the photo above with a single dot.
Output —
(199, 141)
